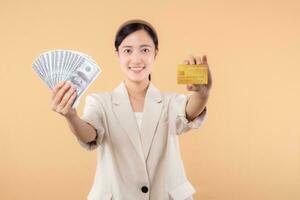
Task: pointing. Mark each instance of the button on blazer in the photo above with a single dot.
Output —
(134, 164)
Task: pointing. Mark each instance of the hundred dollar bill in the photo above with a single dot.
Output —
(67, 65)
(83, 77)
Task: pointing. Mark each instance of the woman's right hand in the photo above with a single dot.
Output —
(63, 95)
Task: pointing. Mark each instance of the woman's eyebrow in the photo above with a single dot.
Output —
(143, 45)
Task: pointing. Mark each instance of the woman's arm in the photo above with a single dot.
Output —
(196, 105)
(81, 129)
(63, 95)
(197, 101)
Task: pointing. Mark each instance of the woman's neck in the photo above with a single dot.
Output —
(137, 89)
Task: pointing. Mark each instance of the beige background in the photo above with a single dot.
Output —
(249, 147)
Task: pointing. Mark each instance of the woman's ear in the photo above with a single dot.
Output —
(156, 52)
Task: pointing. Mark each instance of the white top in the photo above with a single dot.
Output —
(139, 117)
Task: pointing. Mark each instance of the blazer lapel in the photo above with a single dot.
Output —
(124, 112)
(151, 113)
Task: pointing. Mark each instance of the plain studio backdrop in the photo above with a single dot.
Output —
(249, 147)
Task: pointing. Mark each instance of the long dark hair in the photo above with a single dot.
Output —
(132, 26)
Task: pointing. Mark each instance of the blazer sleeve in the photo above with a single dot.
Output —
(93, 114)
(181, 122)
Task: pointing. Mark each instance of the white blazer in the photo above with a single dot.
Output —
(133, 164)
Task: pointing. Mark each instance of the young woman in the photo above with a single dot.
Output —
(135, 127)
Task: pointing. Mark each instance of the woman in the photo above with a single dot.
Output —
(135, 128)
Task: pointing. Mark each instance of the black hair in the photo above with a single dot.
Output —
(132, 26)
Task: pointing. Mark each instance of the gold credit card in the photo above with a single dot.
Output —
(192, 74)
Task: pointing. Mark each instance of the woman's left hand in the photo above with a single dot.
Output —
(203, 89)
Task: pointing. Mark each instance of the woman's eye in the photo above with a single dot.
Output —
(146, 50)
(127, 51)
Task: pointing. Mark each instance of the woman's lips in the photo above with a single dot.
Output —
(136, 69)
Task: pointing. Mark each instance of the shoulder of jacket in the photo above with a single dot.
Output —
(170, 95)
(100, 97)
(99, 94)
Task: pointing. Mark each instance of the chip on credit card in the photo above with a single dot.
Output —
(192, 74)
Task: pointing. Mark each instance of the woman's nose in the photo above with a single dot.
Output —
(136, 57)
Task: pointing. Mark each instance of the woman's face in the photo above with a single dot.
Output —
(136, 55)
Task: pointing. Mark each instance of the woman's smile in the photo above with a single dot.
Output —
(136, 70)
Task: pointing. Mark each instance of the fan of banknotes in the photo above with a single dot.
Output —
(67, 65)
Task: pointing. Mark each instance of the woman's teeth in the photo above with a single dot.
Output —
(136, 69)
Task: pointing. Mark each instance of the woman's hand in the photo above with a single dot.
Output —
(63, 95)
(203, 89)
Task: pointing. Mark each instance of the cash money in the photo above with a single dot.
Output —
(67, 65)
